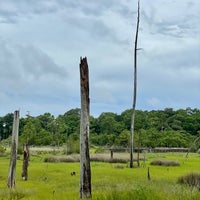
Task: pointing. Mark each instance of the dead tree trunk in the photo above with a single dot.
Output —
(13, 155)
(135, 89)
(85, 172)
(138, 150)
(148, 174)
(25, 162)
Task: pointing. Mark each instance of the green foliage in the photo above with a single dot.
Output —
(20, 149)
(13, 195)
(156, 128)
(109, 180)
(2, 149)
(99, 150)
(140, 193)
(124, 139)
(73, 144)
(6, 126)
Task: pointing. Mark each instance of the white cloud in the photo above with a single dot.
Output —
(41, 43)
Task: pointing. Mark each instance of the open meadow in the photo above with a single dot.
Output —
(53, 180)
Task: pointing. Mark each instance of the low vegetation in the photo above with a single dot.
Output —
(3, 151)
(96, 157)
(191, 179)
(110, 181)
(165, 163)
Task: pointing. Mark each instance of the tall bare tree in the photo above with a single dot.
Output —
(85, 171)
(13, 154)
(135, 87)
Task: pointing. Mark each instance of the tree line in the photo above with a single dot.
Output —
(156, 128)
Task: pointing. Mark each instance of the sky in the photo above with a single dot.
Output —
(41, 42)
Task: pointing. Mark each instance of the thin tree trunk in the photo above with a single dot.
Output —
(138, 150)
(25, 162)
(85, 171)
(135, 89)
(148, 174)
(13, 155)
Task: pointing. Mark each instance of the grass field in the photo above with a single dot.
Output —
(115, 181)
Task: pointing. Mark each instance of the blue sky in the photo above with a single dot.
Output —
(42, 42)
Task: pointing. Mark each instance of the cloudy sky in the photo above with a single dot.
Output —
(41, 42)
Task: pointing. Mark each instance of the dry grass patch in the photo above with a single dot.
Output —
(165, 163)
(93, 157)
(192, 180)
(57, 159)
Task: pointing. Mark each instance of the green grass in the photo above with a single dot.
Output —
(115, 181)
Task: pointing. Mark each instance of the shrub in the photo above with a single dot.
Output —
(99, 150)
(15, 195)
(2, 149)
(20, 150)
(165, 163)
(192, 180)
(3, 152)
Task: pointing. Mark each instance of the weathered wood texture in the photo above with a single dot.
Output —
(25, 162)
(85, 171)
(135, 89)
(13, 154)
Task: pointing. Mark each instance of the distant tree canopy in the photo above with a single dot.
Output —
(156, 128)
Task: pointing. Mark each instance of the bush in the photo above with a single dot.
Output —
(20, 150)
(99, 150)
(2, 149)
(165, 163)
(192, 180)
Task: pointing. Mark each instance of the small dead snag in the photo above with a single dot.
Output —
(25, 162)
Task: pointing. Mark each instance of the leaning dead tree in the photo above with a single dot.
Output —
(13, 154)
(25, 162)
(85, 171)
(135, 88)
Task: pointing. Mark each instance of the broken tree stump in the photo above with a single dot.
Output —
(85, 171)
(25, 162)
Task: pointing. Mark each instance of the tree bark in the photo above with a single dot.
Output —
(13, 155)
(138, 150)
(25, 162)
(135, 89)
(85, 171)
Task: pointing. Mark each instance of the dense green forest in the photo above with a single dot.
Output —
(156, 128)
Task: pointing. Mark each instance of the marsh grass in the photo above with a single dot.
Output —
(53, 181)
(97, 157)
(191, 179)
(165, 163)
